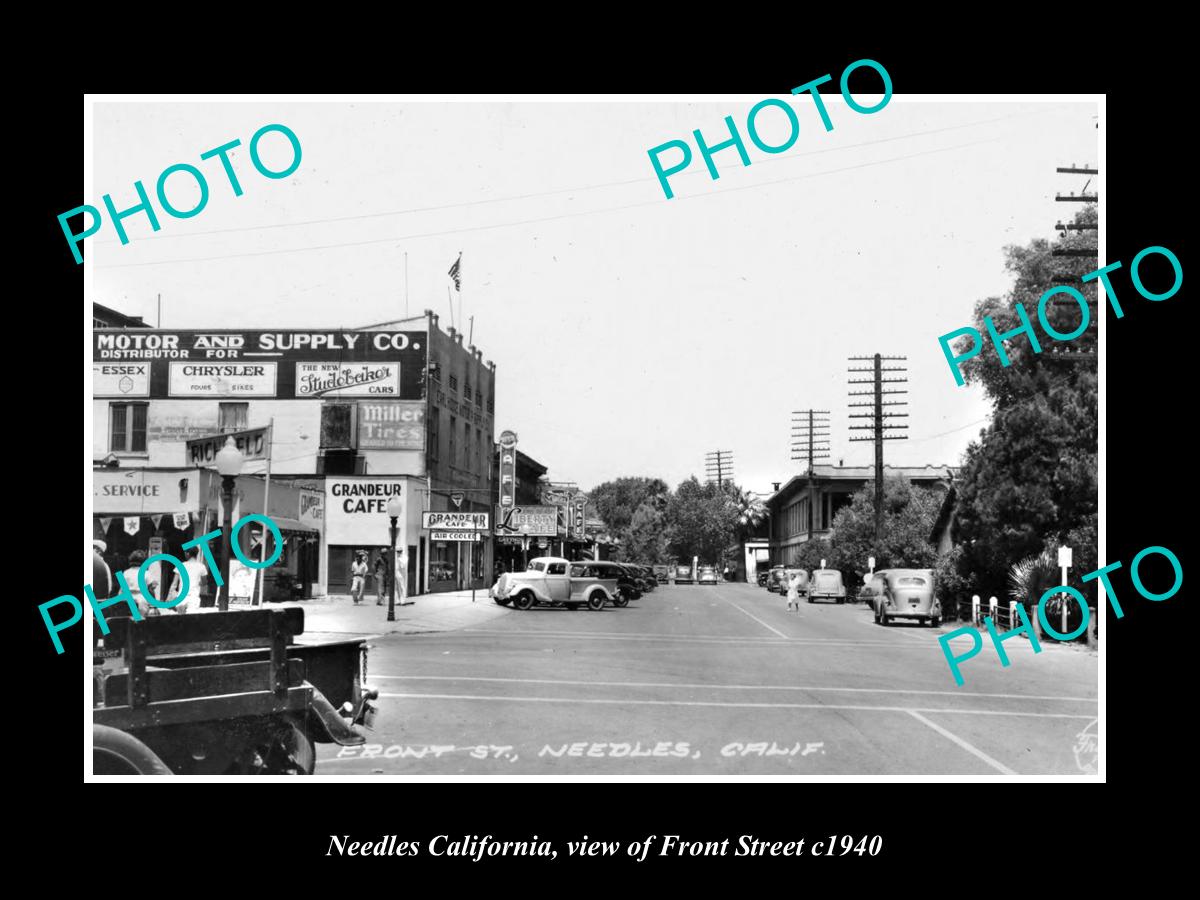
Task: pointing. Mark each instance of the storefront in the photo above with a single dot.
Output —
(356, 519)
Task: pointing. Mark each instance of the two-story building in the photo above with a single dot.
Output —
(805, 506)
(356, 415)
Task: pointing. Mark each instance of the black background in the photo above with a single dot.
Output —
(944, 836)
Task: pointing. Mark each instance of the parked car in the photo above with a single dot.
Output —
(553, 581)
(649, 581)
(775, 580)
(629, 585)
(763, 576)
(907, 594)
(872, 587)
(708, 575)
(683, 575)
(826, 584)
(662, 574)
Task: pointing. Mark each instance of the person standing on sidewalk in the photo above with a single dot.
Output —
(380, 578)
(358, 577)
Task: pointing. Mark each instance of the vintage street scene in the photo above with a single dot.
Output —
(628, 438)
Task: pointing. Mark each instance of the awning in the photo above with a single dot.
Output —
(286, 524)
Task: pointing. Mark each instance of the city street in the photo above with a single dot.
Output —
(717, 680)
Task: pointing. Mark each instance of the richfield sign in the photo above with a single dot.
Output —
(285, 365)
(251, 444)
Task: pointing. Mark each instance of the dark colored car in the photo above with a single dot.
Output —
(628, 586)
(662, 574)
(649, 582)
(683, 575)
(775, 580)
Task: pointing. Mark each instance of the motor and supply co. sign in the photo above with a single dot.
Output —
(286, 365)
(356, 509)
(536, 520)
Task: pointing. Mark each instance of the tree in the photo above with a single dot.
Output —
(1029, 482)
(647, 536)
(616, 501)
(751, 511)
(702, 519)
(909, 513)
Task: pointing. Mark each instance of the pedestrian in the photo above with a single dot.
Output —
(136, 558)
(401, 575)
(358, 577)
(380, 577)
(793, 593)
(196, 574)
(102, 579)
(725, 574)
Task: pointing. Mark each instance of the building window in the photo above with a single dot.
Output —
(479, 399)
(479, 449)
(454, 382)
(453, 441)
(467, 392)
(492, 405)
(128, 427)
(233, 417)
(435, 422)
(466, 445)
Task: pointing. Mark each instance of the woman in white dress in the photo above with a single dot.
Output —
(793, 593)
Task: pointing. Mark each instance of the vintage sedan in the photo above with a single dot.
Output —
(662, 574)
(826, 584)
(628, 586)
(802, 586)
(553, 581)
(775, 580)
(683, 575)
(907, 594)
(708, 575)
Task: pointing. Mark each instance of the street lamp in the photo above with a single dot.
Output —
(395, 507)
(229, 464)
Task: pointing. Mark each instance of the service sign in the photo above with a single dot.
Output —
(145, 491)
(391, 425)
(461, 521)
(130, 379)
(318, 379)
(251, 444)
(536, 520)
(222, 380)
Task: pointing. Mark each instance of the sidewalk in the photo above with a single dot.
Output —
(337, 613)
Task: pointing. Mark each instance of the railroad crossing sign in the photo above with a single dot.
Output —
(457, 498)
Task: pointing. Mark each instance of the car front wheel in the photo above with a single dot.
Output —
(524, 600)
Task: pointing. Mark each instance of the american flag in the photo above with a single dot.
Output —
(456, 273)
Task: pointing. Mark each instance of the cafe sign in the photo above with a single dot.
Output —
(431, 520)
(536, 520)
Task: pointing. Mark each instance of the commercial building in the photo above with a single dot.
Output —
(352, 416)
(805, 506)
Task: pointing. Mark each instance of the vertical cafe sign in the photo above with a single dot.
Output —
(508, 469)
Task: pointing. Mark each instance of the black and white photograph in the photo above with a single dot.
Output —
(638, 437)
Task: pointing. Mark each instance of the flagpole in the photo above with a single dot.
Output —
(262, 557)
(450, 300)
(458, 286)
(406, 284)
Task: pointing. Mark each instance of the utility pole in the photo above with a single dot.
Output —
(719, 465)
(879, 428)
(810, 433)
(1074, 352)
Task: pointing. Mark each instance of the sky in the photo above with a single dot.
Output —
(632, 334)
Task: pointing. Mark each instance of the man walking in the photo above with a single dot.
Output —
(358, 577)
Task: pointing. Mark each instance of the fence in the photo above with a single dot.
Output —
(1005, 618)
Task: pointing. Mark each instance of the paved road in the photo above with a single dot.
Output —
(716, 680)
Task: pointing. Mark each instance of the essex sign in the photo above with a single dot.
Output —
(524, 520)
(251, 444)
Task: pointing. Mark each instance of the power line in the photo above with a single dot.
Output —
(555, 218)
(557, 191)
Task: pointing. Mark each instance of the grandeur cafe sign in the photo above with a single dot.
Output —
(286, 365)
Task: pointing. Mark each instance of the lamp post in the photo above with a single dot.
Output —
(395, 507)
(229, 464)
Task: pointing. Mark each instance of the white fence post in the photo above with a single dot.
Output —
(975, 609)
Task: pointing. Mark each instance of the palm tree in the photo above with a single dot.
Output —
(751, 511)
(1032, 577)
